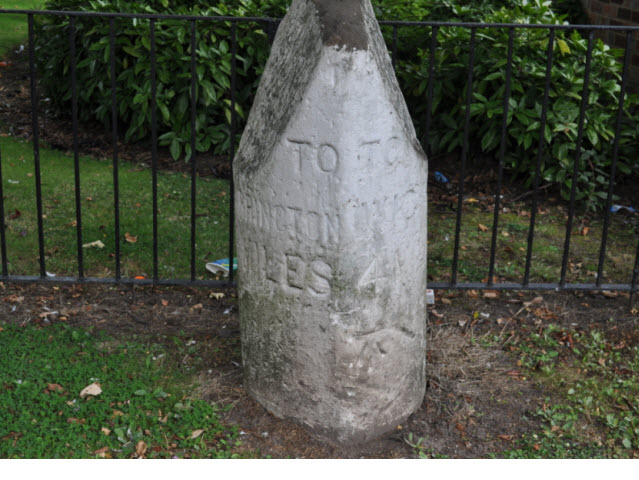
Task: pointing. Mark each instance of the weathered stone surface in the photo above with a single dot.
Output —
(331, 227)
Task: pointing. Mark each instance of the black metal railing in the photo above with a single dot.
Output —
(270, 25)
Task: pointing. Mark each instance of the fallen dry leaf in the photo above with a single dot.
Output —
(199, 306)
(91, 390)
(491, 294)
(507, 438)
(54, 387)
(165, 303)
(140, 449)
(130, 238)
(217, 295)
(13, 299)
(196, 433)
(106, 431)
(483, 228)
(534, 301)
(101, 452)
(96, 244)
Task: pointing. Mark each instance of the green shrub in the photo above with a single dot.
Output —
(527, 91)
(412, 45)
(133, 66)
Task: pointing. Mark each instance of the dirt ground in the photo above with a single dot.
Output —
(477, 401)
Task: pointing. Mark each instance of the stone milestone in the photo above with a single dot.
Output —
(331, 227)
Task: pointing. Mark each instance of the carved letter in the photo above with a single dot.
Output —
(295, 271)
(321, 273)
(327, 158)
(300, 146)
(331, 230)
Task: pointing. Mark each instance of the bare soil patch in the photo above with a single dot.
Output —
(478, 401)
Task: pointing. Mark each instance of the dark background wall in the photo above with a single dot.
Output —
(617, 12)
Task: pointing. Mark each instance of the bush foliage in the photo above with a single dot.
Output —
(132, 44)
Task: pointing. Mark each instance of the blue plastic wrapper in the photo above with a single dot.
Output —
(221, 267)
(440, 177)
(621, 208)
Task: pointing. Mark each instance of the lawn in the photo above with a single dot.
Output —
(13, 28)
(593, 377)
(136, 226)
(512, 244)
(138, 403)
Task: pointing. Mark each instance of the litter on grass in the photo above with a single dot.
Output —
(221, 267)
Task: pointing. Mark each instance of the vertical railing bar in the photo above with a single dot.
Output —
(154, 148)
(232, 149)
(429, 90)
(615, 156)
(36, 144)
(193, 146)
(635, 276)
(580, 133)
(502, 152)
(76, 156)
(394, 56)
(114, 133)
(540, 151)
(3, 233)
(464, 155)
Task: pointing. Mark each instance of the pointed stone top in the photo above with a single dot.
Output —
(311, 28)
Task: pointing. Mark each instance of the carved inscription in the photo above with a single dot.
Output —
(322, 158)
(392, 150)
(302, 226)
(300, 238)
(287, 269)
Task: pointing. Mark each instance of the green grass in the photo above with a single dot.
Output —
(58, 198)
(13, 28)
(512, 244)
(595, 389)
(212, 227)
(145, 403)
